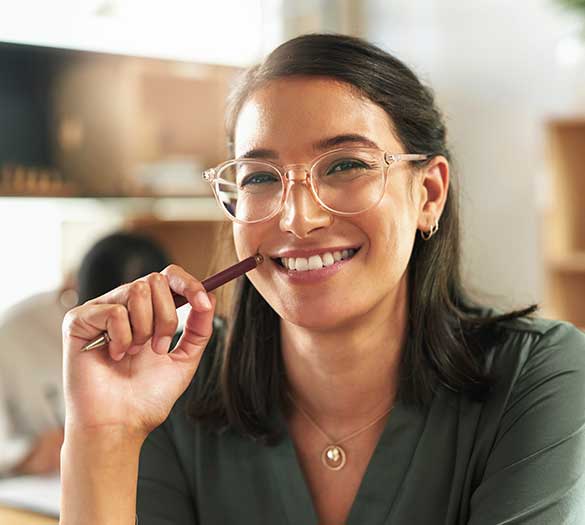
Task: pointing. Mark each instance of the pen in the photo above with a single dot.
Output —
(210, 284)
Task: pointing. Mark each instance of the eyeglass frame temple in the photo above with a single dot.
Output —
(397, 157)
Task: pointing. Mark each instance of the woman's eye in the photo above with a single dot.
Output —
(346, 165)
(257, 178)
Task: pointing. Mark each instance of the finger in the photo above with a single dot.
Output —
(198, 330)
(119, 330)
(183, 283)
(84, 323)
(140, 312)
(164, 311)
(136, 349)
(136, 297)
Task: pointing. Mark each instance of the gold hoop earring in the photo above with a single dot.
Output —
(427, 235)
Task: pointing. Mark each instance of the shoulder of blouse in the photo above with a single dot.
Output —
(534, 349)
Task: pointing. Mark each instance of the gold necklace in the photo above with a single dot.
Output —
(334, 457)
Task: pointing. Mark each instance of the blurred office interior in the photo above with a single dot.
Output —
(110, 110)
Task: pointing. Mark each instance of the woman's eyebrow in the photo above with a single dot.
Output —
(324, 144)
(338, 140)
(259, 153)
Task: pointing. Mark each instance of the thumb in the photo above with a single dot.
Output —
(197, 332)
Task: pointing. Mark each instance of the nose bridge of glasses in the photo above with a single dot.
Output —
(296, 172)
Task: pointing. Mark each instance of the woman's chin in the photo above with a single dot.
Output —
(318, 319)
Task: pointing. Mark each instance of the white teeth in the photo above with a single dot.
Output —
(328, 259)
(316, 262)
(301, 264)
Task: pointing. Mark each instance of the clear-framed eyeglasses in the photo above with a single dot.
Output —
(344, 181)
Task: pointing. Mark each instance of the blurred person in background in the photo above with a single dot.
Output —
(31, 372)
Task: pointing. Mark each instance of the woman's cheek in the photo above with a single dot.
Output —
(238, 236)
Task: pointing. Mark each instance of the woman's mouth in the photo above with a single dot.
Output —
(317, 261)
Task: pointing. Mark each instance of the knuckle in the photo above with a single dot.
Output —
(140, 290)
(71, 315)
(141, 334)
(168, 324)
(125, 340)
(171, 268)
(119, 312)
(70, 318)
(193, 287)
(156, 278)
(200, 339)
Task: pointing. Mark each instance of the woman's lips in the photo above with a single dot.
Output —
(316, 261)
(312, 276)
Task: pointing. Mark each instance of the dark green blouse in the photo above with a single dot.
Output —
(517, 458)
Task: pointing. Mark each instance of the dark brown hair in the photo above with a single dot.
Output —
(448, 332)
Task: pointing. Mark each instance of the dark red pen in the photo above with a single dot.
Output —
(210, 284)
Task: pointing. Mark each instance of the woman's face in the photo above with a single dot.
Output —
(290, 117)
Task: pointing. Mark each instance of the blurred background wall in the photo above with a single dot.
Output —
(502, 72)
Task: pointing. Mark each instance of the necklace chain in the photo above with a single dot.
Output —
(346, 438)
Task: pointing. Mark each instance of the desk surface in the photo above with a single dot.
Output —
(9, 516)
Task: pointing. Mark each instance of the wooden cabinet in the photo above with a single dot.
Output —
(564, 221)
(80, 123)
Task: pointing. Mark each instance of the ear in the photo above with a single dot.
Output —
(434, 186)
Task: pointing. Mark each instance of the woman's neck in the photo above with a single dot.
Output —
(348, 375)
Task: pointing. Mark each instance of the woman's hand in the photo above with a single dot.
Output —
(133, 382)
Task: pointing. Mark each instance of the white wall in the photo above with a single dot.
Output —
(492, 65)
(36, 255)
(219, 31)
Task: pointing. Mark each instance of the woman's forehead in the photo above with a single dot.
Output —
(303, 111)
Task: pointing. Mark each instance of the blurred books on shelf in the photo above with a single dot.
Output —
(30, 181)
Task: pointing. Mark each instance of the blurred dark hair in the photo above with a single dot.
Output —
(117, 259)
(448, 332)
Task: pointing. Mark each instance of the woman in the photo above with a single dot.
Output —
(357, 383)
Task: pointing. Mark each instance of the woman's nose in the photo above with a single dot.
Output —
(301, 213)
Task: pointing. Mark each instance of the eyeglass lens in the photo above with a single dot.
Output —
(347, 181)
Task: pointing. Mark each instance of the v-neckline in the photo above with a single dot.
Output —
(382, 479)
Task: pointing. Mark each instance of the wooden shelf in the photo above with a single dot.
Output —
(570, 263)
(114, 123)
(105, 197)
(564, 224)
(181, 208)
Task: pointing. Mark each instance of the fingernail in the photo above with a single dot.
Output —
(163, 344)
(203, 301)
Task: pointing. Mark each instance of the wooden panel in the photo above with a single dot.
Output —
(10, 516)
(201, 247)
(566, 296)
(190, 244)
(566, 228)
(116, 115)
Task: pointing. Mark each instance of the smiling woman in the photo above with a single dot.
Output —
(355, 377)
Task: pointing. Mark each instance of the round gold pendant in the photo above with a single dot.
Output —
(333, 457)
